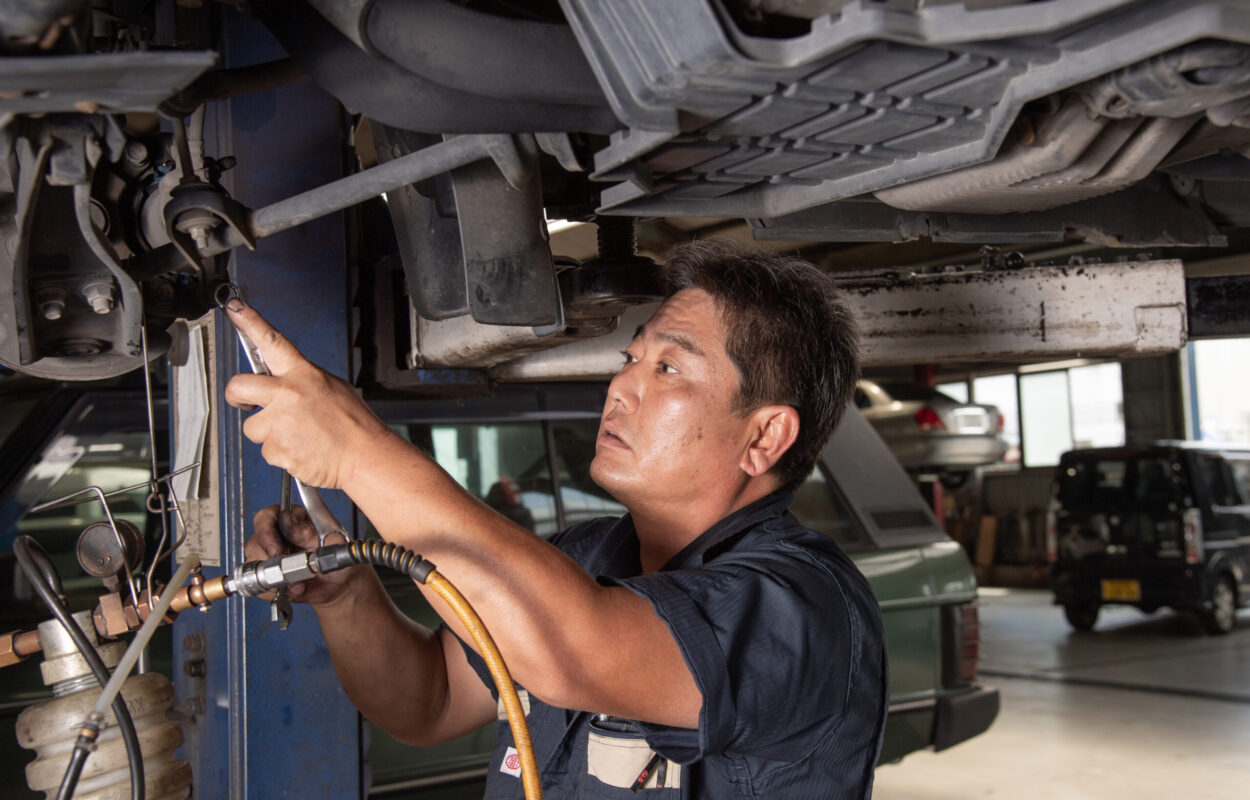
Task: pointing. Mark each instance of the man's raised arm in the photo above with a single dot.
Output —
(568, 640)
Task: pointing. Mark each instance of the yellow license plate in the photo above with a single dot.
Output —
(1124, 591)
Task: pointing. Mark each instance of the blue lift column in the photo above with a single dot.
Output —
(273, 721)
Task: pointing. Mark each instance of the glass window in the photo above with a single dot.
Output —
(818, 507)
(1218, 480)
(505, 465)
(580, 497)
(1097, 406)
(105, 447)
(1000, 390)
(1047, 417)
(15, 412)
(1222, 388)
(957, 390)
(1241, 476)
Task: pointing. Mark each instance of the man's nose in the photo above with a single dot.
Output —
(623, 388)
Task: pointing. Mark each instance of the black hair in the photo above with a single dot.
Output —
(789, 331)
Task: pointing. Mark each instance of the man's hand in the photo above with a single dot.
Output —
(280, 532)
(310, 423)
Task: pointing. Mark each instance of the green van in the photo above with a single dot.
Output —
(526, 450)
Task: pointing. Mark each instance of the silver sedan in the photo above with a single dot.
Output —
(930, 432)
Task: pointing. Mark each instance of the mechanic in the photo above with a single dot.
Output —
(705, 645)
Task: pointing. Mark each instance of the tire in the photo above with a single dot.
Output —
(1221, 617)
(1081, 617)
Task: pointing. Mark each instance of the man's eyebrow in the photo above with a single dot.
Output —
(682, 341)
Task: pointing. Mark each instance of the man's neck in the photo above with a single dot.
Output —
(663, 532)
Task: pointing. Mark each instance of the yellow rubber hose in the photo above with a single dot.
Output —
(503, 680)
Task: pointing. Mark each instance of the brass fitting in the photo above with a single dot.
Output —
(8, 649)
(109, 616)
(16, 646)
(113, 616)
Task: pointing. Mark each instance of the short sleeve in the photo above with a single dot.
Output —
(770, 638)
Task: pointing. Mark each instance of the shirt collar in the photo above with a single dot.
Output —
(616, 554)
(740, 521)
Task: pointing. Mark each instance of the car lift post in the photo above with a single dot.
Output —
(274, 721)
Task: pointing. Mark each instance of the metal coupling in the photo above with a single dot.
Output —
(257, 577)
(16, 646)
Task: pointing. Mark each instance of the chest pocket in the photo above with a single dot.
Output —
(621, 764)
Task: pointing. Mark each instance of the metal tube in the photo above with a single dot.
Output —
(153, 486)
(346, 192)
(77, 497)
(26, 643)
(98, 493)
(141, 639)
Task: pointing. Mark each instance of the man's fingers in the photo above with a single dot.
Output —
(256, 428)
(266, 541)
(247, 391)
(297, 528)
(278, 351)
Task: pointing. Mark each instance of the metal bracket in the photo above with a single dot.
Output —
(195, 210)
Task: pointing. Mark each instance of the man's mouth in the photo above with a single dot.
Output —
(610, 438)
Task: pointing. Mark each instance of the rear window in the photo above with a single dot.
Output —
(1219, 481)
(819, 507)
(507, 465)
(1123, 485)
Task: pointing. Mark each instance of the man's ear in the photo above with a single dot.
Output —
(774, 430)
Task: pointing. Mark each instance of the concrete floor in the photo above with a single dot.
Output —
(1144, 707)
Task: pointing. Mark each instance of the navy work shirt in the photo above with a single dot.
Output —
(784, 639)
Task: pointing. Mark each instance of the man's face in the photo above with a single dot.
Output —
(668, 429)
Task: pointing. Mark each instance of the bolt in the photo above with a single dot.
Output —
(194, 668)
(199, 234)
(51, 303)
(99, 296)
(193, 643)
(136, 153)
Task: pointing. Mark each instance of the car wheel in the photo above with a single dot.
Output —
(1222, 616)
(1081, 617)
(954, 480)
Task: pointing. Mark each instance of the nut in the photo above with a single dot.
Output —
(138, 616)
(8, 650)
(99, 295)
(110, 616)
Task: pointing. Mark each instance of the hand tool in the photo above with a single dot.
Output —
(322, 519)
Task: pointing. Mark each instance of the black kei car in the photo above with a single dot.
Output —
(1166, 524)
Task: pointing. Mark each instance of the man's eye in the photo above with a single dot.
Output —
(667, 368)
(628, 356)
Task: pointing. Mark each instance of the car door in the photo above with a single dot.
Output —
(1226, 518)
(1237, 470)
